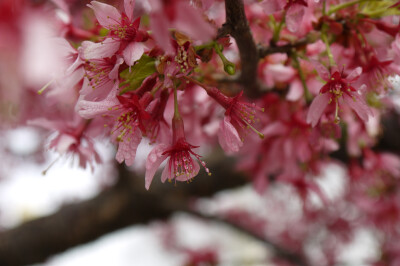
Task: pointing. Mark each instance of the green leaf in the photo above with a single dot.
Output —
(135, 75)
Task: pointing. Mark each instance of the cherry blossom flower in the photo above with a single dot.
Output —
(129, 116)
(239, 119)
(294, 9)
(125, 36)
(180, 166)
(71, 138)
(337, 90)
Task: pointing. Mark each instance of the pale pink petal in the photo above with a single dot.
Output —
(159, 26)
(354, 74)
(153, 161)
(274, 129)
(106, 15)
(196, 169)
(107, 48)
(295, 91)
(321, 69)
(271, 6)
(191, 21)
(133, 52)
(129, 5)
(127, 146)
(167, 172)
(47, 124)
(62, 143)
(317, 108)
(88, 109)
(294, 16)
(114, 72)
(228, 136)
(358, 104)
(391, 163)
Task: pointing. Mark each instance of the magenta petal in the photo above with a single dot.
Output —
(191, 21)
(357, 103)
(127, 146)
(133, 52)
(228, 136)
(294, 17)
(354, 74)
(153, 161)
(129, 5)
(317, 108)
(167, 172)
(104, 49)
(271, 6)
(106, 15)
(64, 142)
(114, 72)
(89, 109)
(159, 26)
(321, 70)
(196, 169)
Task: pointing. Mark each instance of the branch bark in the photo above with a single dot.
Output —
(126, 203)
(238, 27)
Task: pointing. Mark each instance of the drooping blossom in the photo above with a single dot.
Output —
(238, 120)
(124, 36)
(180, 166)
(71, 138)
(337, 90)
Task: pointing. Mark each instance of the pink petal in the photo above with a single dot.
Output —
(159, 26)
(47, 124)
(196, 169)
(129, 5)
(106, 15)
(228, 136)
(294, 16)
(323, 72)
(104, 49)
(114, 72)
(153, 161)
(358, 104)
(317, 108)
(354, 74)
(274, 129)
(133, 52)
(128, 146)
(89, 109)
(63, 142)
(191, 21)
(295, 91)
(271, 6)
(167, 173)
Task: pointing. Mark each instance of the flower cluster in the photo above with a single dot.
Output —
(169, 74)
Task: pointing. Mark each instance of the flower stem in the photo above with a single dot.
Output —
(324, 38)
(229, 67)
(177, 115)
(307, 94)
(277, 29)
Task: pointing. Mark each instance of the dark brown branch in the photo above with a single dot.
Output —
(237, 25)
(287, 48)
(126, 203)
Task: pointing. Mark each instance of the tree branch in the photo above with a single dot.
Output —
(126, 203)
(237, 25)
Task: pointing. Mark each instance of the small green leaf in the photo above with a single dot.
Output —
(135, 75)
